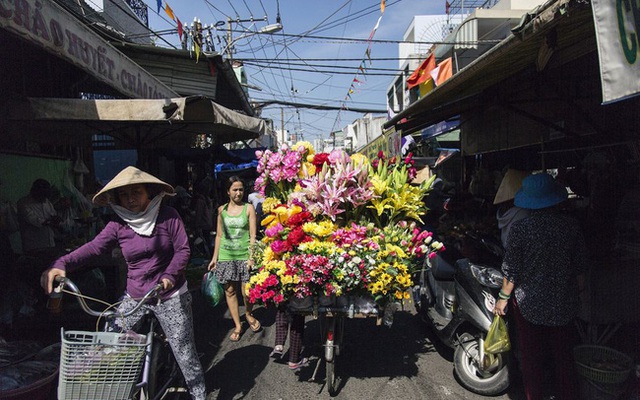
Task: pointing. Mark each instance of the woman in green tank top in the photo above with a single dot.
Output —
(231, 261)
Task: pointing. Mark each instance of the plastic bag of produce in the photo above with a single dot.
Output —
(497, 340)
(212, 290)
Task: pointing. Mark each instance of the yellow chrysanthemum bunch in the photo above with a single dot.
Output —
(269, 204)
(318, 247)
(320, 230)
(309, 150)
(392, 271)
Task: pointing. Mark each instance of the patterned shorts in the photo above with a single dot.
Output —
(237, 270)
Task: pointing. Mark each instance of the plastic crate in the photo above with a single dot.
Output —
(100, 365)
(591, 361)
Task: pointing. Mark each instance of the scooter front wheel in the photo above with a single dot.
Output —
(491, 380)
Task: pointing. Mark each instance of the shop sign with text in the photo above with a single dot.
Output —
(618, 35)
(47, 24)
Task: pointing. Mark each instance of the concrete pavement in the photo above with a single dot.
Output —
(377, 362)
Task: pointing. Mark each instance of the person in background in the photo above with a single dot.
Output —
(181, 202)
(38, 221)
(256, 199)
(202, 207)
(294, 324)
(434, 201)
(544, 263)
(156, 248)
(627, 221)
(37, 218)
(231, 261)
(8, 225)
(507, 213)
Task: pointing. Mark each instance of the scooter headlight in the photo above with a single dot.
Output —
(489, 277)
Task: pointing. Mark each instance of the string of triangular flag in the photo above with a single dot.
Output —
(361, 71)
(195, 34)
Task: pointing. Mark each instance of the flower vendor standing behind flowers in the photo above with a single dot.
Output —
(236, 235)
(543, 266)
(289, 323)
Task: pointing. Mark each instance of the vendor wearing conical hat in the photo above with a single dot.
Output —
(155, 245)
(508, 213)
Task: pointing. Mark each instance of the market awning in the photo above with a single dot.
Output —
(574, 37)
(137, 123)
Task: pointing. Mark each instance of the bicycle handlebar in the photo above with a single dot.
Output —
(65, 282)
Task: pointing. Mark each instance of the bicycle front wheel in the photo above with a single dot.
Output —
(332, 386)
(332, 347)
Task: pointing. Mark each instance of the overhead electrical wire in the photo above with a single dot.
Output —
(261, 63)
(274, 66)
(274, 71)
(327, 72)
(335, 39)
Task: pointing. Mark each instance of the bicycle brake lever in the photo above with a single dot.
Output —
(158, 288)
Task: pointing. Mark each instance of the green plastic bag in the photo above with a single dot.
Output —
(212, 290)
(497, 340)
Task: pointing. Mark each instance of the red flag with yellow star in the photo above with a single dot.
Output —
(422, 74)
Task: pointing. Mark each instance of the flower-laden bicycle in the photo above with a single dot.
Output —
(342, 236)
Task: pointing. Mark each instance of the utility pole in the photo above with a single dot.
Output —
(230, 40)
(229, 37)
(282, 123)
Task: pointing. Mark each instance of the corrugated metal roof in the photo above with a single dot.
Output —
(81, 10)
(211, 76)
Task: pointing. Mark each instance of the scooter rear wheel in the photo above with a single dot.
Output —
(489, 381)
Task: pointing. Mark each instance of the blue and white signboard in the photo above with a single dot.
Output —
(440, 128)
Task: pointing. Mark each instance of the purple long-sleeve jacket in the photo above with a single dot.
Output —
(164, 254)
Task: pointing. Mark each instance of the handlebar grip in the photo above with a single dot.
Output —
(55, 297)
(59, 282)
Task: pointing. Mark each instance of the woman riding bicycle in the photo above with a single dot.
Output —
(155, 245)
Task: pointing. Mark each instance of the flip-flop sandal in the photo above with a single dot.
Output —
(235, 336)
(277, 352)
(296, 366)
(256, 326)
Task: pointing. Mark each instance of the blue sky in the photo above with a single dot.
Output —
(279, 63)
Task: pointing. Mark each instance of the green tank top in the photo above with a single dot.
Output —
(234, 242)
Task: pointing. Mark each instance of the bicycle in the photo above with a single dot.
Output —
(115, 365)
(332, 312)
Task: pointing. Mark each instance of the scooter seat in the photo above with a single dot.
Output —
(441, 269)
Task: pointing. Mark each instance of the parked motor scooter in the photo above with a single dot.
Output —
(456, 297)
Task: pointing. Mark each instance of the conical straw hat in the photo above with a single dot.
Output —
(510, 184)
(129, 176)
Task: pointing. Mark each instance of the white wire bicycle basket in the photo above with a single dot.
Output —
(100, 365)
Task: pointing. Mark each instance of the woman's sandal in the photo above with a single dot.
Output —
(296, 366)
(277, 352)
(235, 336)
(255, 326)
